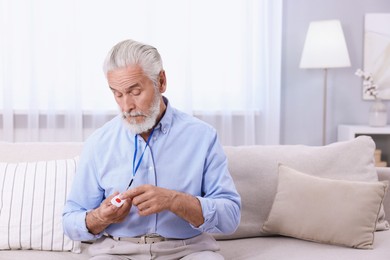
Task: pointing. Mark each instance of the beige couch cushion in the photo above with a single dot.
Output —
(258, 165)
(325, 210)
(38, 151)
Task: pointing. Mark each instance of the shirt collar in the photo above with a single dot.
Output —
(166, 121)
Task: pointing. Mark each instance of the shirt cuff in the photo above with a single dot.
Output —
(209, 210)
(86, 229)
(80, 230)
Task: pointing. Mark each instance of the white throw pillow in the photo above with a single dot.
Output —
(325, 210)
(31, 202)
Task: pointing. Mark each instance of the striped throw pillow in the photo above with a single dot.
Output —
(32, 197)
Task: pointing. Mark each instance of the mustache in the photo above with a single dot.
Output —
(132, 114)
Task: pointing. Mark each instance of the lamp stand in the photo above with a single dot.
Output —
(325, 106)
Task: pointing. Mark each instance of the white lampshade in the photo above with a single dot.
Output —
(325, 46)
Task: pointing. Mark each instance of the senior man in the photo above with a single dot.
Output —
(166, 167)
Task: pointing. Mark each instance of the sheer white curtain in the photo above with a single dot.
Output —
(222, 59)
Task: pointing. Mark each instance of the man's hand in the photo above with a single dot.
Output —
(150, 199)
(98, 219)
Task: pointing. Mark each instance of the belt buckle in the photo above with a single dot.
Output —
(150, 239)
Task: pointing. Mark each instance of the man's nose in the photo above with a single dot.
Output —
(128, 103)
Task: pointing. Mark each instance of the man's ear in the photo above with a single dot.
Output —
(162, 81)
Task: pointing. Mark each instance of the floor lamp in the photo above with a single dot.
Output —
(325, 48)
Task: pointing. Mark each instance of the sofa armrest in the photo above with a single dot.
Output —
(384, 175)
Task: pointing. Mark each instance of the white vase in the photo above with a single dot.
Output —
(378, 113)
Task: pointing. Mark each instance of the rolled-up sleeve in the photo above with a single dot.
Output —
(221, 203)
(81, 199)
(220, 216)
(75, 226)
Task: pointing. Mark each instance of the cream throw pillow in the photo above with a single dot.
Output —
(325, 210)
(32, 197)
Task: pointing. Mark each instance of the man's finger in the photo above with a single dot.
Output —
(130, 194)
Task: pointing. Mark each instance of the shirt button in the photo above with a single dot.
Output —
(165, 130)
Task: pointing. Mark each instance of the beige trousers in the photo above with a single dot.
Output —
(200, 247)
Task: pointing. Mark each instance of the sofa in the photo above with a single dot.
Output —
(298, 202)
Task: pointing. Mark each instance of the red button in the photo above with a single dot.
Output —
(118, 200)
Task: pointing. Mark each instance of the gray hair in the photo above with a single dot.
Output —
(129, 52)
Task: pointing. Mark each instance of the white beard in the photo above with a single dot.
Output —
(150, 117)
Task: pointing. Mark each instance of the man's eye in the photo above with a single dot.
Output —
(136, 92)
(117, 94)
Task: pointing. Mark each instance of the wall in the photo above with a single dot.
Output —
(302, 89)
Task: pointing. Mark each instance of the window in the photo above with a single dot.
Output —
(52, 52)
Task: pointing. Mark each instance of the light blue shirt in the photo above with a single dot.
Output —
(183, 155)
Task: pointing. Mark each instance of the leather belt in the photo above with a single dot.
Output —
(145, 239)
